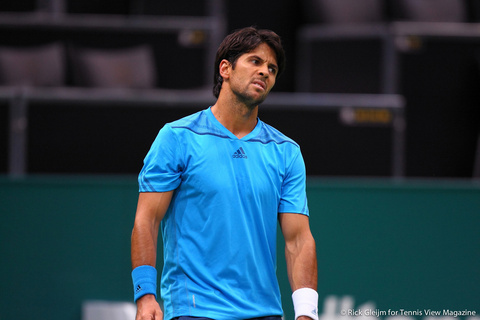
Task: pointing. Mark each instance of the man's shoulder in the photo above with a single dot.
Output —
(270, 134)
(189, 121)
(198, 123)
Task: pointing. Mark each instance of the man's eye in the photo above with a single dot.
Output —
(273, 70)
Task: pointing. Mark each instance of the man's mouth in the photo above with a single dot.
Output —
(260, 84)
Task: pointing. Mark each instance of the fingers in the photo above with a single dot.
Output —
(148, 309)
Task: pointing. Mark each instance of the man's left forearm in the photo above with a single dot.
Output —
(301, 260)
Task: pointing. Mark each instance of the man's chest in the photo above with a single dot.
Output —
(218, 164)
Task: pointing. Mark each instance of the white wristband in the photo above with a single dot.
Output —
(305, 302)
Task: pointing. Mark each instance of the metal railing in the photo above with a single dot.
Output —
(19, 99)
(394, 37)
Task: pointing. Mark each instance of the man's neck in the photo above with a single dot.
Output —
(237, 117)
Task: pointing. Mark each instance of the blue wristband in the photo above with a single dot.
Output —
(144, 281)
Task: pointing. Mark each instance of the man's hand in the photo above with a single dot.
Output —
(148, 308)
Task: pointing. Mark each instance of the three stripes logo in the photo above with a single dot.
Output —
(240, 153)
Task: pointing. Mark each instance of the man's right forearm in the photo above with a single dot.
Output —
(144, 248)
(151, 209)
(144, 245)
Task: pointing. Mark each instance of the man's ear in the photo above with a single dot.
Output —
(224, 68)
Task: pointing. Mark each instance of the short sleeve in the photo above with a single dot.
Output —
(163, 164)
(294, 196)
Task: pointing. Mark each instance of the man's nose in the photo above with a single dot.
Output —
(263, 71)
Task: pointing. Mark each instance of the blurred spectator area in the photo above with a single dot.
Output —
(171, 34)
(427, 51)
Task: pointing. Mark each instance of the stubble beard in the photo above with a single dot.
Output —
(249, 100)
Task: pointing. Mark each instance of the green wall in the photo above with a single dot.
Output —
(409, 245)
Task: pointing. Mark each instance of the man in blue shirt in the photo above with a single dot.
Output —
(216, 183)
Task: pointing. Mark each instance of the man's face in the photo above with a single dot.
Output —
(254, 75)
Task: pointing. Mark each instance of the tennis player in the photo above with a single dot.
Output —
(216, 183)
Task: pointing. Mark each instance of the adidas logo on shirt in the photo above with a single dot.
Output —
(240, 154)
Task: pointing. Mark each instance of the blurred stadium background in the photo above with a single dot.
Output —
(382, 95)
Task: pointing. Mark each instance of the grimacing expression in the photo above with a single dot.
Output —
(253, 75)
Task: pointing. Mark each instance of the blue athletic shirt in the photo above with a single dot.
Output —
(219, 232)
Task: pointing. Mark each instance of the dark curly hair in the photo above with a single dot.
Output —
(243, 41)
